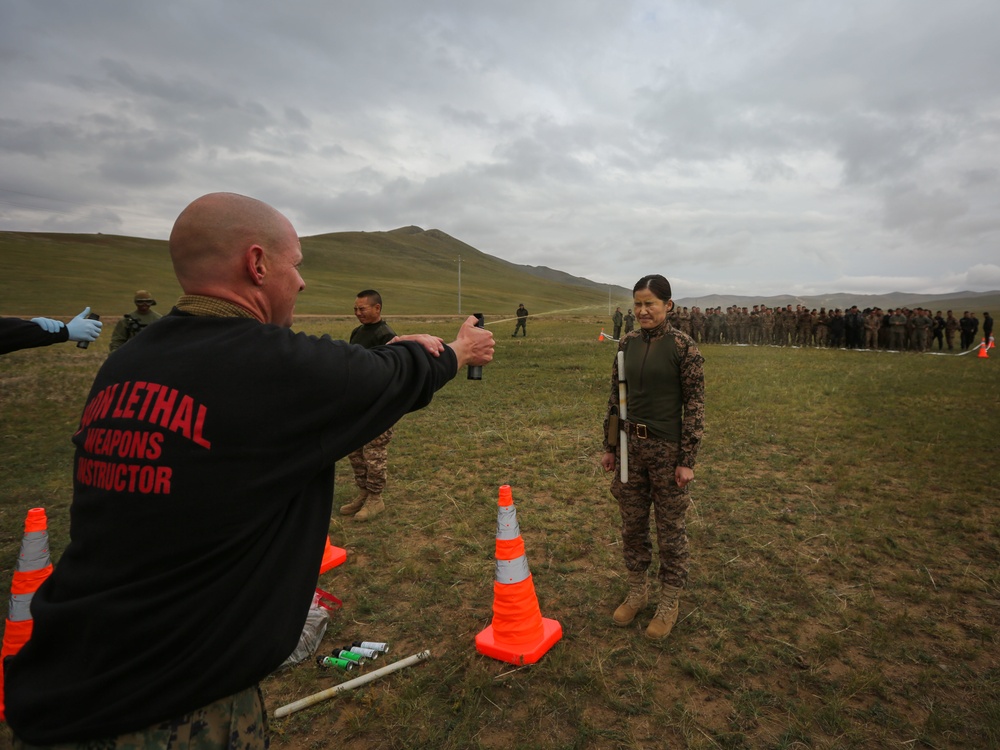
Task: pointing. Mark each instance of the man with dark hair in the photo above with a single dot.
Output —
(922, 324)
(965, 324)
(987, 328)
(202, 490)
(872, 322)
(938, 330)
(854, 328)
(950, 326)
(836, 328)
(897, 330)
(370, 461)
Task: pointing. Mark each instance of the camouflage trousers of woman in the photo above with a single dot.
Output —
(238, 722)
(651, 465)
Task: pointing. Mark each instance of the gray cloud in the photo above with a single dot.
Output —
(751, 146)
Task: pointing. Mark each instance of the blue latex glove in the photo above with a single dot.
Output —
(82, 329)
(48, 325)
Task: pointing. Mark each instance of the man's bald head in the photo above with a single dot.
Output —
(216, 229)
(226, 245)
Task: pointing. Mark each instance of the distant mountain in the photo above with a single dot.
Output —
(542, 272)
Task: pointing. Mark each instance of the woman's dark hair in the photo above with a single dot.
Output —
(655, 283)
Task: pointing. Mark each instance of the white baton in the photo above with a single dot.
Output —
(622, 414)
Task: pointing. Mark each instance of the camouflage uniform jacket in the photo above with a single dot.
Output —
(130, 326)
(692, 381)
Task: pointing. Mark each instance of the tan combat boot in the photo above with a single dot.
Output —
(372, 507)
(638, 595)
(666, 613)
(349, 509)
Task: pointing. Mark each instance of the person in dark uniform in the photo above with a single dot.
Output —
(522, 321)
(617, 319)
(666, 414)
(937, 332)
(965, 325)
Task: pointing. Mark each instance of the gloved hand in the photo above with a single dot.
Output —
(48, 325)
(83, 329)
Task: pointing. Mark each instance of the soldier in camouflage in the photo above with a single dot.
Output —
(132, 323)
(370, 461)
(697, 325)
(666, 414)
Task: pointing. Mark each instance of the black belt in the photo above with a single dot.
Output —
(636, 428)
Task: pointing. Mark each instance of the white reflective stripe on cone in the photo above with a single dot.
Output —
(507, 527)
(19, 608)
(513, 571)
(34, 551)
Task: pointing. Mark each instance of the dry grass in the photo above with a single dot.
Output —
(844, 591)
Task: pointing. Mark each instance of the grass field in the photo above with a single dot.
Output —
(845, 583)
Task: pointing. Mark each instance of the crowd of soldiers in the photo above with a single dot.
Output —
(901, 329)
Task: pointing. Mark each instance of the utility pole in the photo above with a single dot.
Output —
(459, 284)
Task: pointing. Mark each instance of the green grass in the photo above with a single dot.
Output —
(845, 574)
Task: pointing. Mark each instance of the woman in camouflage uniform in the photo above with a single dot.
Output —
(666, 411)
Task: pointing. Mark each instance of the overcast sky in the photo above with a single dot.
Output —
(738, 147)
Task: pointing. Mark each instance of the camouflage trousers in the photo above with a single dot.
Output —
(651, 465)
(238, 722)
(369, 463)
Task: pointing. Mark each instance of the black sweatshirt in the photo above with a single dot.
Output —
(203, 485)
(23, 334)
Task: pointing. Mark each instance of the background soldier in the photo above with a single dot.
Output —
(950, 326)
(822, 328)
(897, 330)
(922, 324)
(698, 325)
(132, 323)
(522, 321)
(938, 331)
(787, 329)
(766, 326)
(369, 462)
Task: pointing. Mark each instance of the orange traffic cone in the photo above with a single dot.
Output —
(33, 567)
(600, 336)
(519, 634)
(982, 350)
(991, 342)
(332, 557)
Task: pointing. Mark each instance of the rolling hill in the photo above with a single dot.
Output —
(415, 270)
